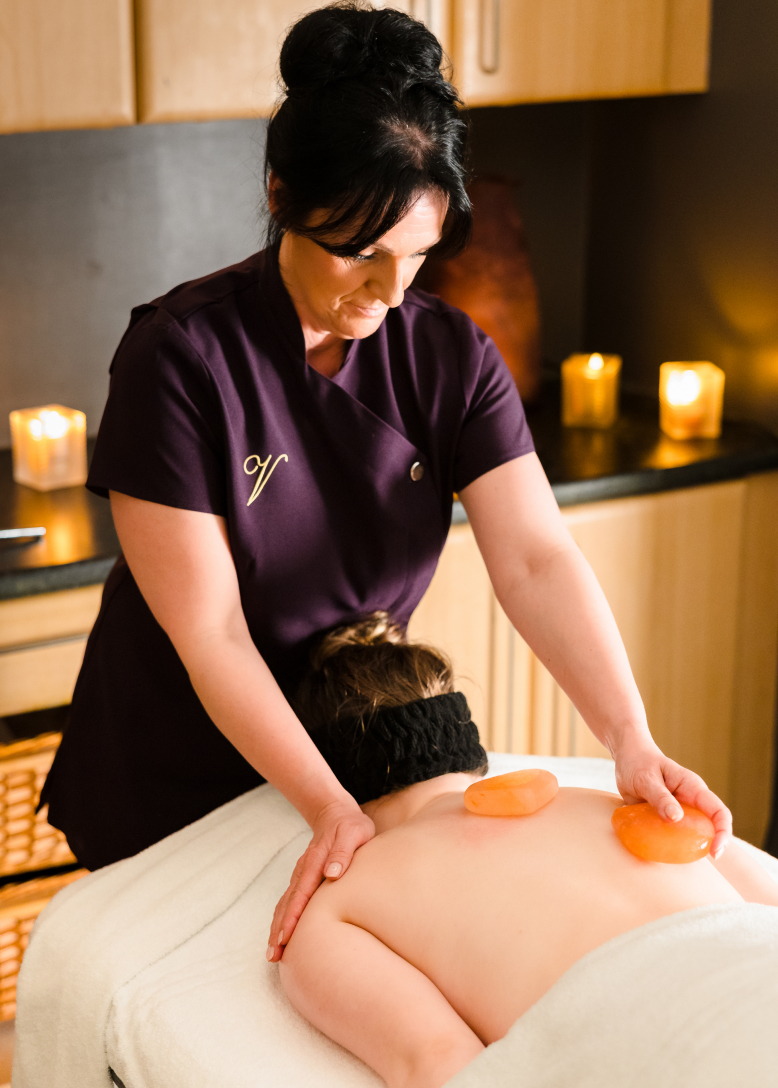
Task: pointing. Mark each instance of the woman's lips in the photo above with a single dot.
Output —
(368, 311)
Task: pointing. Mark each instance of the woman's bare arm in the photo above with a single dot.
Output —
(553, 599)
(182, 563)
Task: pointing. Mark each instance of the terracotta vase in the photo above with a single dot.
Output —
(492, 281)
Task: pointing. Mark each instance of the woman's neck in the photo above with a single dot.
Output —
(394, 809)
(324, 350)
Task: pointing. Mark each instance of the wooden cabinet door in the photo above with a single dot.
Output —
(66, 64)
(201, 60)
(510, 51)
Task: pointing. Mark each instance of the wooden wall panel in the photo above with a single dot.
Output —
(66, 64)
(455, 615)
(752, 741)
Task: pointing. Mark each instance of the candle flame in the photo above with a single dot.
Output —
(683, 387)
(49, 423)
(596, 362)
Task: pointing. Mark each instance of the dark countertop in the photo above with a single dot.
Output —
(631, 458)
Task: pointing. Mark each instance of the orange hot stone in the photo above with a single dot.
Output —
(646, 835)
(516, 794)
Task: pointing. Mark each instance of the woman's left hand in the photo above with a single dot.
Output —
(644, 773)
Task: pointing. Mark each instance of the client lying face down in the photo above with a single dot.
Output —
(449, 925)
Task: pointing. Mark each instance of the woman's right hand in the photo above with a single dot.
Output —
(338, 832)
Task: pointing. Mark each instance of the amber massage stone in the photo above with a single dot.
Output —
(646, 835)
(516, 794)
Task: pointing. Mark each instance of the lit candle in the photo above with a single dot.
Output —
(49, 447)
(590, 390)
(690, 399)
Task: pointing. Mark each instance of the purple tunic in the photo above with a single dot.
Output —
(212, 407)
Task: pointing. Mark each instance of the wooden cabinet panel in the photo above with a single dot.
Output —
(752, 737)
(39, 676)
(668, 565)
(199, 60)
(48, 616)
(42, 642)
(510, 51)
(456, 616)
(688, 46)
(66, 64)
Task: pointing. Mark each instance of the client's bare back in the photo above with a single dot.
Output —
(483, 913)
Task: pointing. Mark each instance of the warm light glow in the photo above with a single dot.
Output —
(50, 423)
(590, 390)
(49, 447)
(690, 400)
(683, 387)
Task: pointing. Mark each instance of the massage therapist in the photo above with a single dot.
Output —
(280, 445)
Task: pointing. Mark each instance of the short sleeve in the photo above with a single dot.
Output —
(495, 428)
(160, 437)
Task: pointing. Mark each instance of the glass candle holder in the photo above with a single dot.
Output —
(691, 397)
(590, 390)
(49, 447)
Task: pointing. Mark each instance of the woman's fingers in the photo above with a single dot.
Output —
(649, 776)
(707, 801)
(336, 837)
(651, 787)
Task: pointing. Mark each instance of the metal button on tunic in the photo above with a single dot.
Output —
(417, 471)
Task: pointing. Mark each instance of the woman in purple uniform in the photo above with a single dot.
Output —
(281, 443)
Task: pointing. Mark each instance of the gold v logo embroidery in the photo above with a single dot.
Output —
(262, 468)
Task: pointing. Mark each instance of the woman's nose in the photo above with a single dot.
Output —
(387, 283)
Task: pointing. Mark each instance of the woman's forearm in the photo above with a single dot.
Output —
(243, 699)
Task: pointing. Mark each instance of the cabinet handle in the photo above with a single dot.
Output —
(489, 36)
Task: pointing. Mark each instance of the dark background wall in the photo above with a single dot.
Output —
(683, 231)
(652, 224)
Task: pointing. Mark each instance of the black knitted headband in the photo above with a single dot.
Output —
(401, 745)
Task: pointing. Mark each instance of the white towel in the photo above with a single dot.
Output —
(156, 966)
(688, 1001)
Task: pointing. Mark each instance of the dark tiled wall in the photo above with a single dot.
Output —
(95, 222)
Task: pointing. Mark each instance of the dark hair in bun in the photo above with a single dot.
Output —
(368, 124)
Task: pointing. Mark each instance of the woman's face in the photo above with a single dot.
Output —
(349, 296)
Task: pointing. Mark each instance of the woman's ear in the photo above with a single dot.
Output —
(273, 185)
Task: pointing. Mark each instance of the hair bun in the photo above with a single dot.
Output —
(355, 41)
(376, 628)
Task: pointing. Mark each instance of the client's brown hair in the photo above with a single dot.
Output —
(383, 712)
(366, 665)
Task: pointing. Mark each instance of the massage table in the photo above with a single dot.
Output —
(151, 973)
